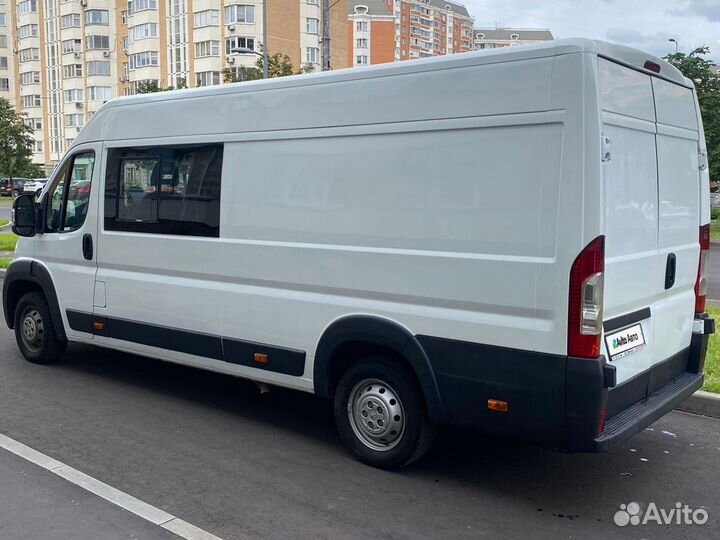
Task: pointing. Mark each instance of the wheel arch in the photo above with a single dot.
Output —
(371, 334)
(26, 275)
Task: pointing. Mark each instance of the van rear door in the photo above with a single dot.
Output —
(651, 191)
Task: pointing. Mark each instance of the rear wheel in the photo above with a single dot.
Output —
(381, 414)
(34, 330)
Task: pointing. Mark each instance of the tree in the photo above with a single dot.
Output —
(148, 87)
(697, 68)
(16, 139)
(279, 65)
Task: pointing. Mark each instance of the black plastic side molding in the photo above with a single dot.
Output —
(18, 275)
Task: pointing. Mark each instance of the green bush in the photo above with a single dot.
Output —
(715, 213)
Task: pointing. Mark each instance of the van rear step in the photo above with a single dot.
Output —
(637, 417)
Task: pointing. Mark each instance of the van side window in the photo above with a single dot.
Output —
(164, 190)
(69, 195)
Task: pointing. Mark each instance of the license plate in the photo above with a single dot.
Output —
(624, 342)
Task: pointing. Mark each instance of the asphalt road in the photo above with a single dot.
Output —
(5, 212)
(211, 450)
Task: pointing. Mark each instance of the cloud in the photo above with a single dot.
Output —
(710, 9)
(644, 24)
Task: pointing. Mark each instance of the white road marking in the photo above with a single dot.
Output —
(154, 515)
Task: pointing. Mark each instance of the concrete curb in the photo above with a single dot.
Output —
(704, 403)
(2, 273)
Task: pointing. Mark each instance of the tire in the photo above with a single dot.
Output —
(34, 330)
(381, 415)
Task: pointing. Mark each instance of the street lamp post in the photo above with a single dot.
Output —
(673, 40)
(265, 41)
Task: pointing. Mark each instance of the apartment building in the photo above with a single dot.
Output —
(371, 32)
(492, 38)
(175, 43)
(7, 66)
(426, 28)
(60, 60)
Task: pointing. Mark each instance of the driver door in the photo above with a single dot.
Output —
(66, 245)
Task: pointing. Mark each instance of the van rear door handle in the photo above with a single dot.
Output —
(87, 246)
(670, 267)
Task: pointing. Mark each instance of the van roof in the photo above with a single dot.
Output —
(624, 55)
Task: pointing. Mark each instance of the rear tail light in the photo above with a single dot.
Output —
(701, 281)
(585, 309)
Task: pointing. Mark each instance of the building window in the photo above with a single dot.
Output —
(28, 6)
(3, 41)
(143, 59)
(207, 78)
(72, 70)
(361, 60)
(4, 85)
(72, 20)
(74, 95)
(361, 43)
(34, 123)
(98, 67)
(123, 18)
(99, 93)
(72, 46)
(31, 101)
(28, 30)
(312, 26)
(75, 120)
(2, 20)
(97, 17)
(141, 5)
(97, 42)
(37, 147)
(144, 31)
(238, 42)
(312, 55)
(361, 26)
(30, 77)
(28, 55)
(209, 17)
(514, 37)
(207, 48)
(164, 190)
(239, 14)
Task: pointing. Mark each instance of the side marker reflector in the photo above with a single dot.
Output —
(261, 357)
(497, 405)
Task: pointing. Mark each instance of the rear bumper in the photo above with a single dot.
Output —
(637, 403)
(638, 416)
(558, 401)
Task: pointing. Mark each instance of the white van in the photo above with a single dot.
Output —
(512, 240)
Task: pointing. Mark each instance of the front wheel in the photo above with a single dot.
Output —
(381, 415)
(34, 330)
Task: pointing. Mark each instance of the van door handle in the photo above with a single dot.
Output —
(87, 245)
(670, 268)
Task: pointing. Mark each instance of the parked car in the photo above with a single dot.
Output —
(35, 186)
(12, 187)
(497, 259)
(5, 187)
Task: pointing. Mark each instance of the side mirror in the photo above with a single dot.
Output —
(23, 215)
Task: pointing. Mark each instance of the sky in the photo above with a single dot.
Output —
(643, 24)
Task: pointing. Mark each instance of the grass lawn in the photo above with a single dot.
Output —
(715, 230)
(7, 242)
(712, 360)
(5, 262)
(3, 222)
